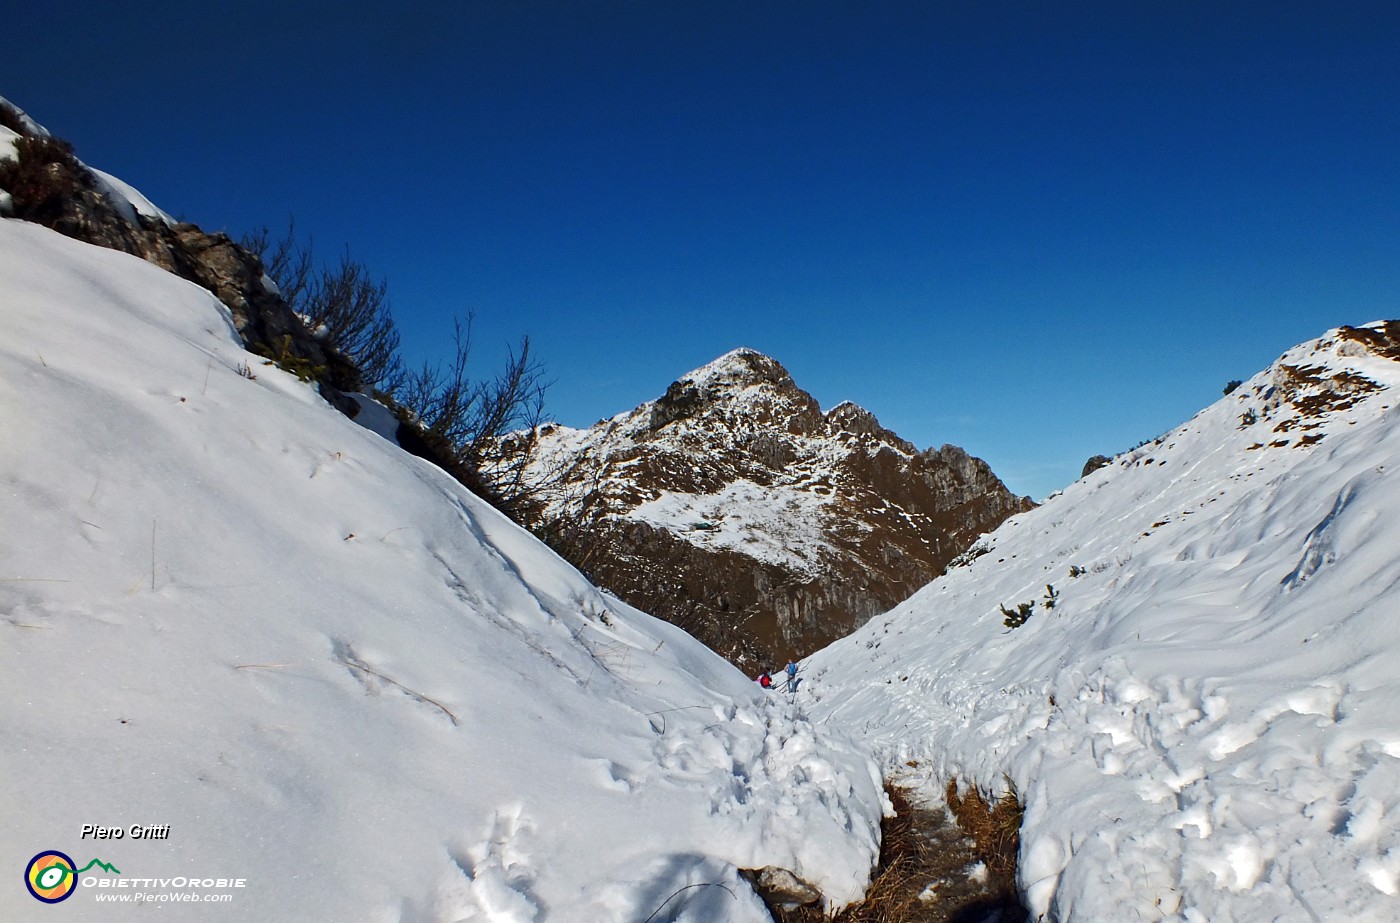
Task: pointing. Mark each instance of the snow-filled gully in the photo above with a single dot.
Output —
(333, 673)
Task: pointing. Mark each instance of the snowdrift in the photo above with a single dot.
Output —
(331, 672)
(1202, 710)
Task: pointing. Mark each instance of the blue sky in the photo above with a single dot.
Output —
(1040, 231)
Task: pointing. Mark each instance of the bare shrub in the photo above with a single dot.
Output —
(450, 417)
(472, 415)
(286, 261)
(1017, 617)
(344, 304)
(352, 308)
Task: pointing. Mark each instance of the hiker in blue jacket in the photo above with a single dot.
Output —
(792, 676)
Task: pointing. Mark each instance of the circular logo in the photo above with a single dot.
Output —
(49, 877)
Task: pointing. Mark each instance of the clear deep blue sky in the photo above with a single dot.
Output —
(1036, 230)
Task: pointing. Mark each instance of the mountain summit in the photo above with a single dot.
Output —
(733, 506)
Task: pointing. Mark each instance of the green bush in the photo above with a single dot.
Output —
(283, 356)
(1016, 618)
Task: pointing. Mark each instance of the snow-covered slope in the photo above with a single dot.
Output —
(1206, 724)
(331, 671)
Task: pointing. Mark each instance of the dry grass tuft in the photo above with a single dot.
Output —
(43, 178)
(995, 828)
(922, 876)
(902, 873)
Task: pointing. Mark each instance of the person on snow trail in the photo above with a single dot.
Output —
(765, 680)
(792, 676)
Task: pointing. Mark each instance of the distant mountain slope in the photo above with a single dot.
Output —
(735, 508)
(332, 671)
(1205, 722)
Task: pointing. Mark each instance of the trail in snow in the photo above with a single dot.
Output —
(1206, 725)
(332, 671)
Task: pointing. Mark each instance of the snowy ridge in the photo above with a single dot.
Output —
(332, 671)
(1204, 723)
(128, 201)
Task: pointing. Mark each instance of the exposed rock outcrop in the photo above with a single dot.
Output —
(1094, 463)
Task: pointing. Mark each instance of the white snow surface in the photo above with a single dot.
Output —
(376, 418)
(1206, 725)
(778, 525)
(331, 670)
(128, 200)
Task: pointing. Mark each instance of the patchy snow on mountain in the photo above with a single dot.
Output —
(732, 505)
(330, 672)
(778, 527)
(1201, 709)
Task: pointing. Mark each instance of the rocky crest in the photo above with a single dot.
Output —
(734, 507)
(42, 181)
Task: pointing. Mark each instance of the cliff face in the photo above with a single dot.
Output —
(734, 507)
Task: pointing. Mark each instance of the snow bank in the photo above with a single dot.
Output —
(331, 671)
(1205, 725)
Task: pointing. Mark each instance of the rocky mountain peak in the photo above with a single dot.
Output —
(847, 417)
(740, 368)
(733, 506)
(742, 385)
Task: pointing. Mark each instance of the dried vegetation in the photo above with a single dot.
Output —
(928, 870)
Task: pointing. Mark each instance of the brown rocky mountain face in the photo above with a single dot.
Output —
(735, 508)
